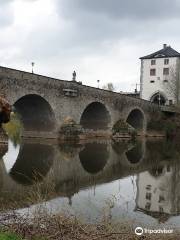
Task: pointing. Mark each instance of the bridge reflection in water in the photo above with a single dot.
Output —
(141, 179)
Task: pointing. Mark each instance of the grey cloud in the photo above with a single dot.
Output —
(97, 21)
(6, 13)
(122, 9)
(94, 25)
(95, 29)
(5, 2)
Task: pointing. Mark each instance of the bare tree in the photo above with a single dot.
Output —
(109, 86)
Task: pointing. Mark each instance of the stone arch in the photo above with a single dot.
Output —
(136, 118)
(158, 98)
(95, 116)
(35, 112)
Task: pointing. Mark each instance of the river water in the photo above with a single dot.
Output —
(126, 181)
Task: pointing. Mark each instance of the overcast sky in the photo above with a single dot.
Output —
(100, 39)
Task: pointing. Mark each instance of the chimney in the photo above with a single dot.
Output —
(164, 46)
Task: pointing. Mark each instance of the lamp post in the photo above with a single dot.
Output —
(98, 82)
(32, 66)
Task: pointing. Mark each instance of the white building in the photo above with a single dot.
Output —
(158, 192)
(160, 76)
(154, 193)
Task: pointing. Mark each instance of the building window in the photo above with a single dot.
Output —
(148, 196)
(165, 80)
(148, 187)
(166, 61)
(161, 198)
(153, 62)
(152, 72)
(165, 71)
(152, 81)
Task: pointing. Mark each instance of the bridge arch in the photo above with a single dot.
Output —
(95, 116)
(35, 113)
(136, 118)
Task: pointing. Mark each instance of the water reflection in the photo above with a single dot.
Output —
(3, 150)
(29, 163)
(94, 157)
(158, 192)
(38, 161)
(11, 155)
(136, 153)
(143, 177)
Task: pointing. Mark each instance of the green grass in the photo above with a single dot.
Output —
(9, 236)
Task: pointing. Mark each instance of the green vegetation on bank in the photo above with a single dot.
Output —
(14, 128)
(168, 125)
(70, 129)
(9, 236)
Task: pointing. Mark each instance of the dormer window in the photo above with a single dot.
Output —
(160, 55)
(153, 62)
(166, 61)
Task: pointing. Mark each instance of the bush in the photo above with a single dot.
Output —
(168, 126)
(70, 129)
(170, 129)
(120, 127)
(14, 128)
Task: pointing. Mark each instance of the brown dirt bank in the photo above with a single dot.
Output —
(54, 227)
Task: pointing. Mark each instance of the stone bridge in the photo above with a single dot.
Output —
(44, 103)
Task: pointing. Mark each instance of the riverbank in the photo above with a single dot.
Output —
(56, 227)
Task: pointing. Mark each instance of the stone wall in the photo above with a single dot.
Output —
(70, 99)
